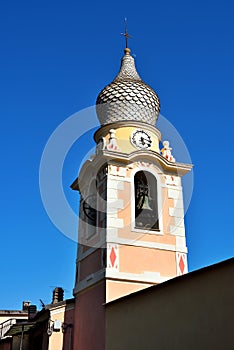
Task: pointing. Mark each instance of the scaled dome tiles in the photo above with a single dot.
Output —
(127, 97)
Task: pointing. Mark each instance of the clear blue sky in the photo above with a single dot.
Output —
(55, 58)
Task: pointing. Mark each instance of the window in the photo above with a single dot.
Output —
(90, 210)
(94, 205)
(146, 206)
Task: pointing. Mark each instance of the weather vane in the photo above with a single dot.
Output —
(125, 34)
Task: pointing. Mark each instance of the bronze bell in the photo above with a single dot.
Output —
(146, 205)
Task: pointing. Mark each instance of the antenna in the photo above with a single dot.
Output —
(42, 303)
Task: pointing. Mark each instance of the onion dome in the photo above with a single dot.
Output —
(127, 98)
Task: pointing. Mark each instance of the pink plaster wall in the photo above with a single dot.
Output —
(91, 264)
(89, 323)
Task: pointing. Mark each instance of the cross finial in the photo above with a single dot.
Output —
(125, 34)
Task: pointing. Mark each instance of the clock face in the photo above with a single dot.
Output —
(141, 139)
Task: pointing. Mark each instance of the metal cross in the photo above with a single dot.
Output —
(125, 34)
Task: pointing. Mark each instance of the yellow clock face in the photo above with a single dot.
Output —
(141, 139)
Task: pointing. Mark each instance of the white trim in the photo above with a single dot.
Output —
(89, 280)
(54, 310)
(180, 243)
(70, 307)
(179, 204)
(177, 231)
(111, 234)
(114, 204)
(114, 222)
(149, 232)
(175, 182)
(112, 237)
(118, 178)
(112, 193)
(104, 130)
(179, 222)
(57, 310)
(179, 213)
(144, 244)
(146, 277)
(116, 184)
(175, 194)
(117, 170)
(172, 187)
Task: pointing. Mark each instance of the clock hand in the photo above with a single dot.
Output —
(149, 142)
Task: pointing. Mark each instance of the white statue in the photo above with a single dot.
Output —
(166, 151)
(113, 141)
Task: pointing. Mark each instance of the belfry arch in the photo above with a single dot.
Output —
(146, 201)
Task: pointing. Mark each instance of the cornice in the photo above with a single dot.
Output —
(106, 156)
(104, 130)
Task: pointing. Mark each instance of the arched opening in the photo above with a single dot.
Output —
(90, 209)
(146, 203)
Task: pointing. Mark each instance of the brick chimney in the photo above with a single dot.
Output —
(32, 310)
(58, 293)
(26, 305)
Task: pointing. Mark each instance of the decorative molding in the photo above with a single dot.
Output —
(179, 213)
(118, 179)
(58, 310)
(103, 130)
(175, 193)
(112, 257)
(143, 244)
(179, 222)
(117, 170)
(114, 222)
(90, 167)
(173, 180)
(89, 281)
(181, 263)
(115, 184)
(173, 187)
(180, 243)
(146, 277)
(177, 231)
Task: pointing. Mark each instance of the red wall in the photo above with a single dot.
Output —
(89, 320)
(69, 328)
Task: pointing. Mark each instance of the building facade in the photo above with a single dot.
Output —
(132, 290)
(193, 311)
(131, 222)
(51, 328)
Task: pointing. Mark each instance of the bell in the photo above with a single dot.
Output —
(146, 205)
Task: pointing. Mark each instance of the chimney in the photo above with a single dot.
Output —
(32, 310)
(26, 305)
(57, 295)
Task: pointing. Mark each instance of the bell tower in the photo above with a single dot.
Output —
(131, 222)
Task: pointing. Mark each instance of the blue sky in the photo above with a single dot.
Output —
(55, 58)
